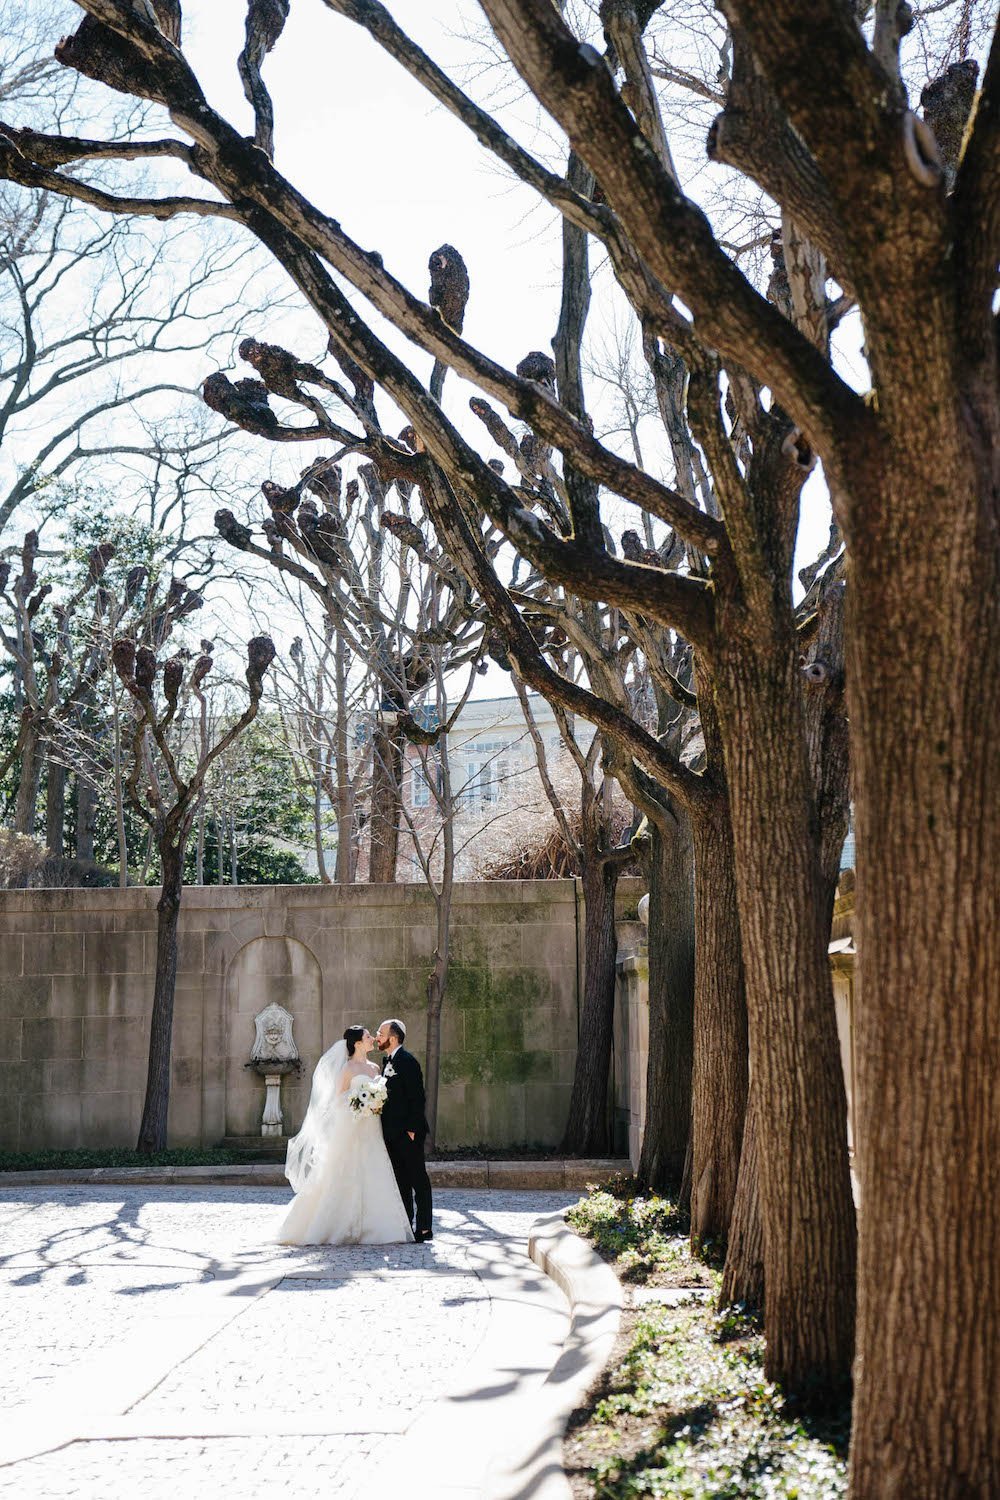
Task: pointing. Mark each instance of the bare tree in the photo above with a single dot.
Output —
(384, 607)
(59, 658)
(168, 804)
(601, 860)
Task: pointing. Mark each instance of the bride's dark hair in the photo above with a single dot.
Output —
(352, 1037)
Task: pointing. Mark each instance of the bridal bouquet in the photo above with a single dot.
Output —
(366, 1096)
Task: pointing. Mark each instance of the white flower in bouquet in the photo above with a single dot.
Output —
(366, 1096)
(379, 1093)
(357, 1094)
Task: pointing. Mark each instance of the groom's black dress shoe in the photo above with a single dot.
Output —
(422, 1235)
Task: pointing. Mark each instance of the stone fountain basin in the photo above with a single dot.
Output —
(272, 1065)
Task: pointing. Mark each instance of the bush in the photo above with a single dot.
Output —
(82, 1160)
(20, 859)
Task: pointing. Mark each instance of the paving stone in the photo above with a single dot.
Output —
(195, 1355)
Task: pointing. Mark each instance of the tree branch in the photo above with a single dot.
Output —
(15, 167)
(976, 208)
(671, 233)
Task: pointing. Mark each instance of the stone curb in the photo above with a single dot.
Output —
(509, 1176)
(534, 1471)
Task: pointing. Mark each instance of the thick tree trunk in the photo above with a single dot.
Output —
(26, 801)
(924, 693)
(743, 1274)
(671, 1006)
(86, 816)
(153, 1129)
(806, 1205)
(587, 1131)
(720, 1055)
(387, 765)
(55, 809)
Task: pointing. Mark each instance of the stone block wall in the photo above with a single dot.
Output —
(76, 974)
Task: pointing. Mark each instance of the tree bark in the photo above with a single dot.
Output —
(387, 762)
(926, 761)
(719, 1094)
(437, 985)
(26, 801)
(153, 1129)
(743, 1274)
(321, 869)
(806, 1204)
(671, 1006)
(587, 1132)
(55, 809)
(86, 814)
(344, 796)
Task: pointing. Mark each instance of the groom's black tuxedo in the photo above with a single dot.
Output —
(403, 1112)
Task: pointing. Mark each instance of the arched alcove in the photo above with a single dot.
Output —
(270, 969)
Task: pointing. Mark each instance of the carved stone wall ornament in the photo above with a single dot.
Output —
(273, 1040)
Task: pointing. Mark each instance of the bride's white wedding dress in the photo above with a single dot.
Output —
(345, 1189)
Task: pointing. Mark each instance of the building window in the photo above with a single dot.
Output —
(478, 786)
(420, 788)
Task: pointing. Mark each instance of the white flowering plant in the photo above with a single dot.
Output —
(367, 1096)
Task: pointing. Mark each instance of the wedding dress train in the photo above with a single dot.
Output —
(345, 1188)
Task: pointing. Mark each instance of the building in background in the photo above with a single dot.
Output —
(496, 789)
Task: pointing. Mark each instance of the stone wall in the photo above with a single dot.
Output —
(76, 970)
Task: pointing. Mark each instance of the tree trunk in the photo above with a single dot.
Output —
(321, 869)
(925, 750)
(153, 1129)
(720, 1051)
(587, 1132)
(387, 763)
(437, 985)
(806, 1204)
(743, 1274)
(344, 799)
(55, 809)
(86, 816)
(26, 801)
(671, 1005)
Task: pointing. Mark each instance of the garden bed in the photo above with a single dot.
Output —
(683, 1408)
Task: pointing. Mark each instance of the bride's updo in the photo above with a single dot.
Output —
(352, 1037)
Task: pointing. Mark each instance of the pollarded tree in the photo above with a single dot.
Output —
(389, 595)
(59, 653)
(861, 173)
(168, 803)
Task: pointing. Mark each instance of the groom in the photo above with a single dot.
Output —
(404, 1125)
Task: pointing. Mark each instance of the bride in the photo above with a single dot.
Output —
(345, 1189)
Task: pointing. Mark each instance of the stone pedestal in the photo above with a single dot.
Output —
(272, 1118)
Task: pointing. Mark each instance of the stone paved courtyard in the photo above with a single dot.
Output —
(154, 1343)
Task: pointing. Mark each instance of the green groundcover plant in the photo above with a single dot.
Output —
(683, 1409)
